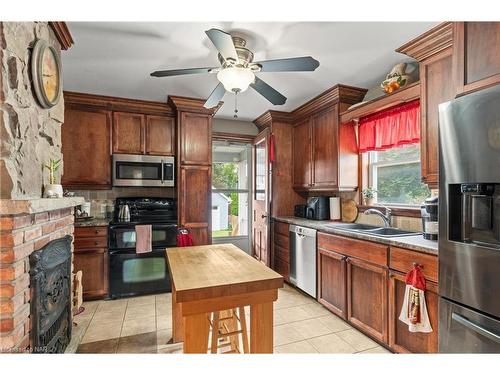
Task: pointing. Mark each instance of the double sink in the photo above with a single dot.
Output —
(372, 230)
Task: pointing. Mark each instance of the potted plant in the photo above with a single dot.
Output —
(369, 195)
(52, 190)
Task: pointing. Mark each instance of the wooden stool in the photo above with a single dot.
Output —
(225, 326)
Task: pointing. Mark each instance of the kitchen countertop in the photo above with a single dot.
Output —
(95, 222)
(417, 243)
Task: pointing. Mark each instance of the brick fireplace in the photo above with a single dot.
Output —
(25, 228)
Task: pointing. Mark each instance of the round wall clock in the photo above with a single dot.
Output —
(46, 73)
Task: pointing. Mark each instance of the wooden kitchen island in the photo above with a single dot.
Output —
(218, 277)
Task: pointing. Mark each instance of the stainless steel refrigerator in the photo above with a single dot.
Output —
(469, 223)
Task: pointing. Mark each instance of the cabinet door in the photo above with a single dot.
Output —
(476, 55)
(436, 88)
(86, 148)
(400, 339)
(160, 135)
(332, 281)
(128, 133)
(302, 155)
(195, 201)
(94, 266)
(325, 149)
(367, 298)
(195, 138)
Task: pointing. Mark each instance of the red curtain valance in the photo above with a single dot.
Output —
(390, 128)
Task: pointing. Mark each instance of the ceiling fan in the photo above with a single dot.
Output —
(237, 70)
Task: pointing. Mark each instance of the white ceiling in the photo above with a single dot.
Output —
(116, 58)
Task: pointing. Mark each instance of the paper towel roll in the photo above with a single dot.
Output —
(335, 208)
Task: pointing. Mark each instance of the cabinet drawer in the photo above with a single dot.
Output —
(86, 243)
(365, 250)
(281, 228)
(282, 253)
(402, 260)
(91, 232)
(283, 241)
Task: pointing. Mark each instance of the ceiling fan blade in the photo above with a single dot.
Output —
(215, 96)
(294, 64)
(268, 92)
(224, 43)
(180, 72)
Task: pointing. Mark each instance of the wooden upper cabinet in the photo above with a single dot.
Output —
(302, 154)
(325, 149)
(367, 298)
(86, 148)
(436, 88)
(128, 133)
(160, 135)
(476, 55)
(195, 138)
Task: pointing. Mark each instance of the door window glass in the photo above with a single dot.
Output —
(260, 171)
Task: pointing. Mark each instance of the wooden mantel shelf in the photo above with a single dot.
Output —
(409, 93)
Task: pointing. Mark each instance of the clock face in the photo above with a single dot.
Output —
(50, 75)
(46, 72)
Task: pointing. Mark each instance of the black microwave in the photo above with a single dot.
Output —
(143, 170)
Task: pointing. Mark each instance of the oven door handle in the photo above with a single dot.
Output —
(476, 327)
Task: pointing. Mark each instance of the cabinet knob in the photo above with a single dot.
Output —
(96, 243)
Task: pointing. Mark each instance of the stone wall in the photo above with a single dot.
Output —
(20, 235)
(30, 135)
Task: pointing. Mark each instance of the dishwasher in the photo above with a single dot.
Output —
(303, 259)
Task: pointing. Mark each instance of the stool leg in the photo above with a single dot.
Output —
(215, 333)
(243, 324)
(233, 326)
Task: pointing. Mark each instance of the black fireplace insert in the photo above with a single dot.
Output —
(50, 305)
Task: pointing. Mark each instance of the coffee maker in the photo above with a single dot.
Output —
(318, 208)
(429, 213)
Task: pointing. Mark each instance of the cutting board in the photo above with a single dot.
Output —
(349, 210)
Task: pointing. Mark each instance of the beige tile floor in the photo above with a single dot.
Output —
(301, 325)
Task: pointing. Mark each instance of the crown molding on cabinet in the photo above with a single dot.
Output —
(265, 120)
(429, 43)
(338, 93)
(62, 33)
(182, 103)
(118, 104)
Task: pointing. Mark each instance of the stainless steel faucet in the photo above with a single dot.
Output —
(387, 217)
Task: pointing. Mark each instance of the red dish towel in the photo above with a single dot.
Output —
(414, 309)
(143, 239)
(184, 239)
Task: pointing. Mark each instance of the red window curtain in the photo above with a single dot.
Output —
(390, 128)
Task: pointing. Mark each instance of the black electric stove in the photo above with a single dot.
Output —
(133, 274)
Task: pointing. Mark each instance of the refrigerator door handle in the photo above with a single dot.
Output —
(475, 327)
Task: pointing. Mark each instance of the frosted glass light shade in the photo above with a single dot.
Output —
(236, 78)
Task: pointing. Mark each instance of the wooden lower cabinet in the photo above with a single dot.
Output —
(332, 281)
(281, 249)
(92, 260)
(367, 297)
(400, 339)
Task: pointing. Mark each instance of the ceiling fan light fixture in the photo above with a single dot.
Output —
(235, 78)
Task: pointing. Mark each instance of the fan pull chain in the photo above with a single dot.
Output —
(235, 104)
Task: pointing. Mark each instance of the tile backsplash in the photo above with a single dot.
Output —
(98, 198)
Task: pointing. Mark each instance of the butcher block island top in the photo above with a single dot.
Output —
(219, 277)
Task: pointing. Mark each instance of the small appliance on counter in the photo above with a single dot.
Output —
(429, 212)
(318, 208)
(300, 210)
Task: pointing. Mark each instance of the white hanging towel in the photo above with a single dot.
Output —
(414, 310)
